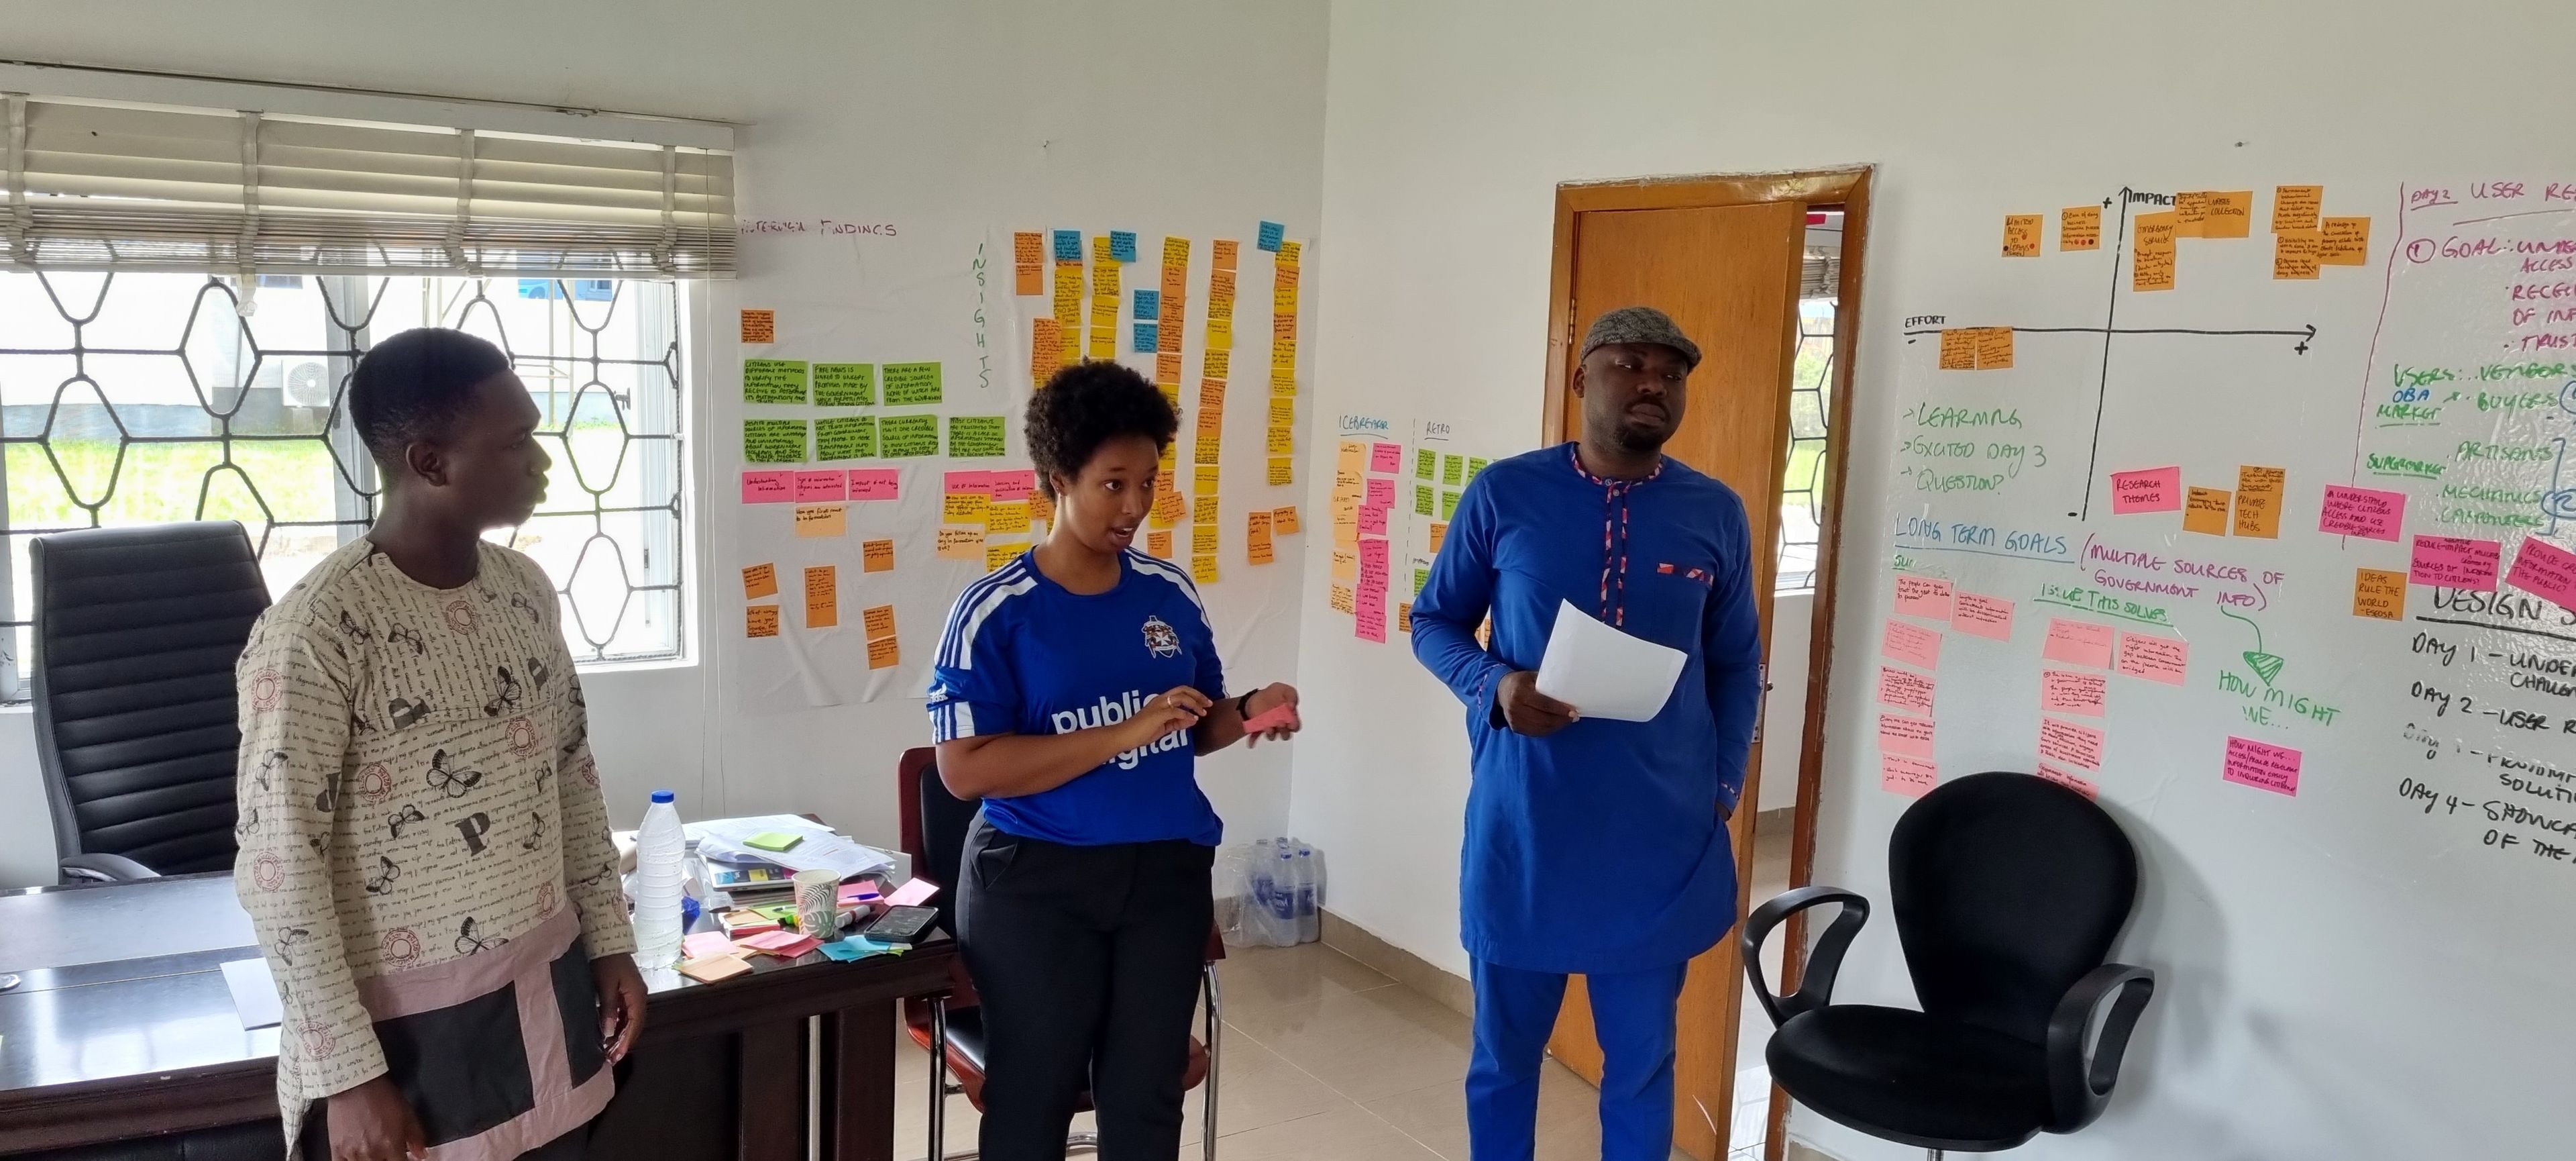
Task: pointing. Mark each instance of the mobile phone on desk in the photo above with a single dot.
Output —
(901, 925)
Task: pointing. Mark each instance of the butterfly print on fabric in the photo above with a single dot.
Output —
(399, 819)
(248, 824)
(328, 801)
(452, 783)
(269, 765)
(386, 872)
(508, 698)
(536, 832)
(290, 943)
(404, 712)
(520, 602)
(350, 626)
(468, 943)
(406, 635)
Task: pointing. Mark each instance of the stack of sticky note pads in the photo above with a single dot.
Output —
(710, 956)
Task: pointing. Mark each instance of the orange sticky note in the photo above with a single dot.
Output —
(1041, 509)
(2258, 501)
(1404, 617)
(2295, 254)
(2151, 253)
(1224, 251)
(2344, 242)
(885, 653)
(2229, 214)
(1284, 520)
(2295, 207)
(1959, 349)
(759, 326)
(2204, 511)
(760, 621)
(1167, 367)
(1028, 260)
(1994, 348)
(2021, 235)
(961, 543)
(759, 580)
(877, 556)
(1046, 349)
(1343, 600)
(1168, 508)
(1203, 569)
(1158, 544)
(2191, 208)
(822, 596)
(2379, 594)
(2079, 228)
(878, 620)
(1256, 541)
(1346, 562)
(819, 520)
(1439, 535)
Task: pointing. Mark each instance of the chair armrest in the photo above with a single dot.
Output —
(2080, 1080)
(1816, 982)
(104, 868)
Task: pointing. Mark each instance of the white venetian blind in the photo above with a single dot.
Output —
(103, 185)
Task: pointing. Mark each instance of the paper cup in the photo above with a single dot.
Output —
(818, 911)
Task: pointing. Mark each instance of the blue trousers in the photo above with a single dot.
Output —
(1632, 1013)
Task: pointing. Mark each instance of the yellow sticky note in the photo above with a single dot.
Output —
(1007, 517)
(1041, 509)
(1176, 251)
(1959, 349)
(819, 520)
(1068, 298)
(961, 543)
(2344, 242)
(1202, 539)
(1159, 544)
(1346, 562)
(1283, 356)
(877, 556)
(2079, 228)
(2204, 511)
(2379, 593)
(997, 555)
(1283, 520)
(1203, 509)
(1203, 569)
(1439, 535)
(2191, 208)
(1282, 440)
(1283, 470)
(877, 620)
(1343, 600)
(2229, 214)
(759, 326)
(2295, 254)
(884, 653)
(1203, 480)
(1101, 254)
(1220, 334)
(1994, 348)
(1283, 381)
(2151, 253)
(2021, 235)
(760, 621)
(2258, 501)
(1290, 253)
(965, 508)
(759, 580)
(2295, 207)
(822, 596)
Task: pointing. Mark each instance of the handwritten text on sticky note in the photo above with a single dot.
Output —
(2069, 743)
(1923, 596)
(2066, 691)
(2154, 658)
(2146, 490)
(2262, 766)
(2456, 562)
(2078, 643)
(1899, 734)
(2544, 569)
(2363, 512)
(1911, 777)
(1912, 644)
(1982, 616)
(1905, 689)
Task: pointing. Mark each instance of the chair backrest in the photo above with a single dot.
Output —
(136, 634)
(935, 823)
(2007, 889)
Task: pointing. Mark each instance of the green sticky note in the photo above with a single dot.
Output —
(773, 840)
(846, 438)
(1421, 577)
(1424, 496)
(845, 384)
(908, 435)
(773, 381)
(1453, 470)
(1448, 505)
(911, 384)
(1426, 464)
(773, 441)
(974, 435)
(1475, 465)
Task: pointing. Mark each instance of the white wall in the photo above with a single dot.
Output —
(944, 119)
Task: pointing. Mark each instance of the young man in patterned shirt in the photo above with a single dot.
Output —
(424, 850)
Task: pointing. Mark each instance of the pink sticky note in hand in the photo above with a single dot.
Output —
(1923, 596)
(812, 486)
(1911, 777)
(876, 483)
(2147, 490)
(1981, 616)
(2064, 691)
(1912, 644)
(768, 487)
(1386, 457)
(2455, 562)
(913, 893)
(2078, 643)
(2069, 743)
(2546, 570)
(1904, 689)
(2154, 658)
(1276, 716)
(1898, 734)
(2262, 766)
(2364, 512)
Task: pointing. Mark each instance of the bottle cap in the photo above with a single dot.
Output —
(663, 796)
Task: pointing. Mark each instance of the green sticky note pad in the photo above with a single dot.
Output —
(1424, 496)
(1426, 464)
(911, 384)
(1421, 577)
(773, 441)
(908, 435)
(1475, 465)
(974, 435)
(1448, 505)
(1453, 470)
(846, 438)
(845, 384)
(773, 840)
(773, 381)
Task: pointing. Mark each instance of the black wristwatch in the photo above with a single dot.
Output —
(1243, 707)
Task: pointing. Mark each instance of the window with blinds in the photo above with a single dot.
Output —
(102, 185)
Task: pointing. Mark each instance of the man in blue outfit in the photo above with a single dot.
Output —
(1595, 847)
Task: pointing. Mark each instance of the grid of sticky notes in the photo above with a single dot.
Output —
(771, 439)
(2304, 238)
(989, 516)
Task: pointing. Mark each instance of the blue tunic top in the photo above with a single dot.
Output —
(1022, 654)
(1600, 847)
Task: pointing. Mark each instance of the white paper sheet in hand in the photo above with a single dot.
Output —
(254, 993)
(1604, 673)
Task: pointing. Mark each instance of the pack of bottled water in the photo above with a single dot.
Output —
(1270, 893)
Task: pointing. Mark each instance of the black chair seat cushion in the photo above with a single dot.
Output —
(1939, 1083)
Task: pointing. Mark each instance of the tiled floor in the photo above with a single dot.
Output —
(1324, 1058)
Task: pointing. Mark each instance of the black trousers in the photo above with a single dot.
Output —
(1087, 960)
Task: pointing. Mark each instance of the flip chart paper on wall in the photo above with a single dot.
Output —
(1603, 672)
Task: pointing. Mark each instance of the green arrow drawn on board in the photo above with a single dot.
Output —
(2265, 665)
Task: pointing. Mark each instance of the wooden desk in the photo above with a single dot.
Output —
(121, 1029)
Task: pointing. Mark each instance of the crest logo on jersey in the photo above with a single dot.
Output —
(1160, 639)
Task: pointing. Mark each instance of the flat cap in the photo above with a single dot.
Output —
(1640, 324)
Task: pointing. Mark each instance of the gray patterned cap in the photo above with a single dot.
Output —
(1640, 324)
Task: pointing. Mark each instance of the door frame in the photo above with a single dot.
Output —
(1848, 188)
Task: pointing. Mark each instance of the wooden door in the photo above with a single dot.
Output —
(1729, 276)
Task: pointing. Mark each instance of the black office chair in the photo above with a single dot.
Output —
(136, 633)
(2009, 891)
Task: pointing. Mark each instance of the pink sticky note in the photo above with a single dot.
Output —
(2078, 643)
(1369, 623)
(1282, 714)
(1898, 734)
(1386, 457)
(1911, 777)
(2154, 658)
(794, 946)
(2455, 562)
(771, 940)
(2146, 490)
(2363, 512)
(2544, 569)
(876, 483)
(812, 486)
(1013, 484)
(1372, 519)
(1380, 493)
(1922, 596)
(1980, 616)
(2071, 781)
(853, 894)
(1373, 554)
(704, 944)
(1912, 644)
(2064, 691)
(2262, 766)
(979, 483)
(913, 893)
(2069, 743)
(768, 487)
(1904, 689)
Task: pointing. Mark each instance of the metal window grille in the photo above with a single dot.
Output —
(131, 398)
(1802, 481)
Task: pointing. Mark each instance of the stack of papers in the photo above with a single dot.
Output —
(728, 840)
(1604, 673)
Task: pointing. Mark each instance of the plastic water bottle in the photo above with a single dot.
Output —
(660, 848)
(1310, 922)
(1283, 896)
(1256, 916)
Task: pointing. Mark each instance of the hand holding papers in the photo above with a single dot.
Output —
(1604, 673)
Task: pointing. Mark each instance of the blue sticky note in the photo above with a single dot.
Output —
(1149, 337)
(1272, 233)
(1122, 245)
(1068, 245)
(1149, 305)
(855, 947)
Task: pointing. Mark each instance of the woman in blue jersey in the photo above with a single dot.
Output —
(1074, 689)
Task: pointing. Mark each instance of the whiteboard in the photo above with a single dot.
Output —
(2354, 796)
